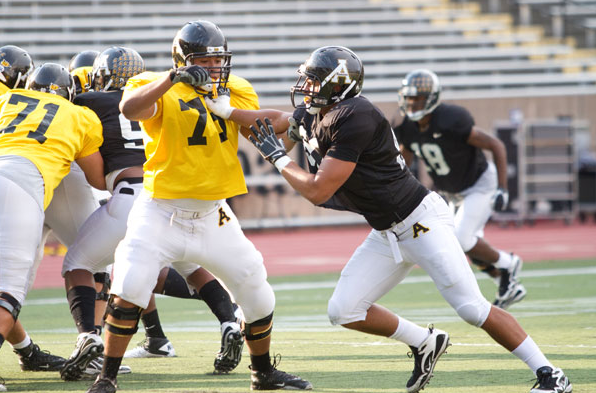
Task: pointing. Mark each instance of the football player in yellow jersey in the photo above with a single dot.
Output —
(80, 67)
(41, 133)
(181, 216)
(15, 65)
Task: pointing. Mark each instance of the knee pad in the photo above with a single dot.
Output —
(259, 329)
(475, 312)
(104, 279)
(123, 314)
(342, 312)
(466, 239)
(10, 304)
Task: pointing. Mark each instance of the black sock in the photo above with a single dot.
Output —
(218, 300)
(25, 352)
(176, 286)
(260, 362)
(82, 307)
(110, 367)
(152, 325)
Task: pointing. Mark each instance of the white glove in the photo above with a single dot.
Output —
(294, 130)
(220, 105)
(500, 200)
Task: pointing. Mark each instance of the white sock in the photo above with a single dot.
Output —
(530, 354)
(409, 333)
(23, 344)
(504, 260)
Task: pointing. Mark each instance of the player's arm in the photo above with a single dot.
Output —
(247, 117)
(407, 154)
(92, 166)
(279, 121)
(139, 104)
(318, 187)
(482, 140)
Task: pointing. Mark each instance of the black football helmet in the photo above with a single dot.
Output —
(52, 78)
(114, 66)
(337, 74)
(82, 59)
(419, 82)
(15, 66)
(202, 38)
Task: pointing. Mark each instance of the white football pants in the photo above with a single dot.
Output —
(159, 235)
(385, 258)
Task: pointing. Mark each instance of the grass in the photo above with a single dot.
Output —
(559, 312)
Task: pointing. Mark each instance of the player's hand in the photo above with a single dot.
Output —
(220, 105)
(294, 130)
(500, 200)
(265, 140)
(193, 75)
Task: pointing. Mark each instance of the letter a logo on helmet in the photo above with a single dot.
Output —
(340, 70)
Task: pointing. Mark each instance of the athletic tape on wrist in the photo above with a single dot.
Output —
(282, 162)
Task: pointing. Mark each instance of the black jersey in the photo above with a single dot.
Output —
(381, 188)
(453, 164)
(123, 139)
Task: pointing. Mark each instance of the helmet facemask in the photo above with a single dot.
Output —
(15, 66)
(330, 75)
(419, 83)
(114, 66)
(203, 39)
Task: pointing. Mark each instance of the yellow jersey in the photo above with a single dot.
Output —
(3, 88)
(191, 153)
(82, 78)
(48, 130)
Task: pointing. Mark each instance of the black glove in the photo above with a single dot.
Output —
(193, 75)
(500, 200)
(265, 140)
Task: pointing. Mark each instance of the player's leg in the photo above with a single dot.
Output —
(150, 244)
(438, 252)
(91, 252)
(470, 219)
(31, 357)
(371, 272)
(211, 291)
(155, 344)
(231, 257)
(21, 215)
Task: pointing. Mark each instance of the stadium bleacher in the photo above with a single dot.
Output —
(479, 53)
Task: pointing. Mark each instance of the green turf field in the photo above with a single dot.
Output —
(559, 312)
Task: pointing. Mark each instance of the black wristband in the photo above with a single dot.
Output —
(172, 75)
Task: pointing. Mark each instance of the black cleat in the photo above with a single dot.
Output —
(103, 385)
(551, 381)
(425, 358)
(231, 348)
(88, 347)
(275, 379)
(31, 358)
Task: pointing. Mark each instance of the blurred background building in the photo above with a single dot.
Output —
(526, 70)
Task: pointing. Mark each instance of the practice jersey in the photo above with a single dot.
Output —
(48, 130)
(191, 153)
(82, 76)
(3, 88)
(122, 139)
(451, 161)
(381, 187)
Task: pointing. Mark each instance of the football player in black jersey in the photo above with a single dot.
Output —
(93, 249)
(355, 164)
(445, 138)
